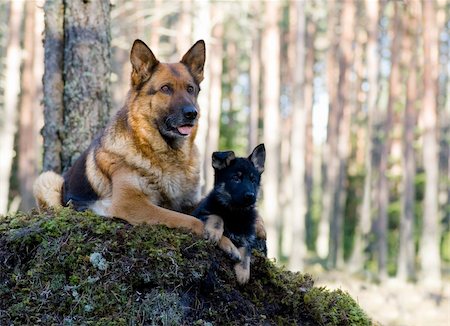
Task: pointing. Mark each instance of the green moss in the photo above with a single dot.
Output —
(77, 268)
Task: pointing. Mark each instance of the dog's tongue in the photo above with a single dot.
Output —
(185, 130)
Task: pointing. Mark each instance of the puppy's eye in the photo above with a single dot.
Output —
(165, 89)
(190, 89)
(236, 178)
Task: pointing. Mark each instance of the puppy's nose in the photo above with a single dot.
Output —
(249, 197)
(189, 112)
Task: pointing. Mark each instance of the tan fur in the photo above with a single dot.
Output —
(242, 269)
(214, 228)
(260, 228)
(47, 190)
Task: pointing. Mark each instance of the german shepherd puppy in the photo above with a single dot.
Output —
(230, 206)
(144, 167)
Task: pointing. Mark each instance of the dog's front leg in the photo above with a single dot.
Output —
(242, 269)
(260, 228)
(130, 203)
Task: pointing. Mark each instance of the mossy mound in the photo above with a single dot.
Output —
(80, 269)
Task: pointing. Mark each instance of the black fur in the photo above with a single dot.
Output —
(233, 198)
(77, 190)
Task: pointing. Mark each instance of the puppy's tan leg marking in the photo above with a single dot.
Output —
(242, 269)
(260, 229)
(214, 228)
(132, 205)
(226, 245)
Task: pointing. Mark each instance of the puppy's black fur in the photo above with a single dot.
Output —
(233, 198)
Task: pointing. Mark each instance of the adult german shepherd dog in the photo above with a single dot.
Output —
(144, 167)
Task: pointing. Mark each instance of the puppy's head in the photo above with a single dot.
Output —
(237, 179)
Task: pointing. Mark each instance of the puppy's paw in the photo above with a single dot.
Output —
(213, 228)
(242, 271)
(230, 249)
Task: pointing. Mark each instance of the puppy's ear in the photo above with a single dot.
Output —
(143, 61)
(194, 59)
(221, 160)
(258, 157)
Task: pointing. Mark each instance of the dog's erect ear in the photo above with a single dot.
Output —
(194, 59)
(258, 157)
(221, 160)
(143, 61)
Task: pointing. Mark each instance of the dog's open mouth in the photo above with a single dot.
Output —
(185, 130)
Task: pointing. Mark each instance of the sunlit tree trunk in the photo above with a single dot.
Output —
(255, 85)
(184, 27)
(429, 244)
(383, 182)
(298, 145)
(336, 250)
(330, 164)
(309, 102)
(28, 135)
(215, 95)
(271, 95)
(406, 253)
(364, 223)
(12, 89)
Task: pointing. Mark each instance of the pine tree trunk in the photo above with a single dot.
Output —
(53, 83)
(383, 183)
(330, 163)
(87, 67)
(12, 89)
(429, 244)
(298, 144)
(336, 250)
(215, 99)
(364, 223)
(406, 253)
(271, 61)
(77, 78)
(255, 84)
(27, 158)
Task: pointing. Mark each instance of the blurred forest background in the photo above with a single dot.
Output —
(349, 97)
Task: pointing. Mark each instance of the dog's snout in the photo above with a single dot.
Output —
(189, 112)
(249, 197)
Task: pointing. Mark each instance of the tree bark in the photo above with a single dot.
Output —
(383, 182)
(406, 253)
(87, 67)
(330, 164)
(28, 135)
(336, 250)
(364, 223)
(271, 84)
(12, 89)
(215, 99)
(429, 244)
(255, 84)
(53, 84)
(298, 146)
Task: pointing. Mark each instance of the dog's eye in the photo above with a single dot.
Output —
(236, 178)
(165, 89)
(190, 89)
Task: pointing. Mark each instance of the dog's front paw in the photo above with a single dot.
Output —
(230, 249)
(242, 273)
(213, 228)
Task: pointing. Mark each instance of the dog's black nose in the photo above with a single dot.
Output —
(189, 112)
(249, 197)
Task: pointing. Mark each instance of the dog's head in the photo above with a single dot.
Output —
(237, 179)
(164, 95)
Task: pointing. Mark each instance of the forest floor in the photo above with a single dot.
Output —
(394, 303)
